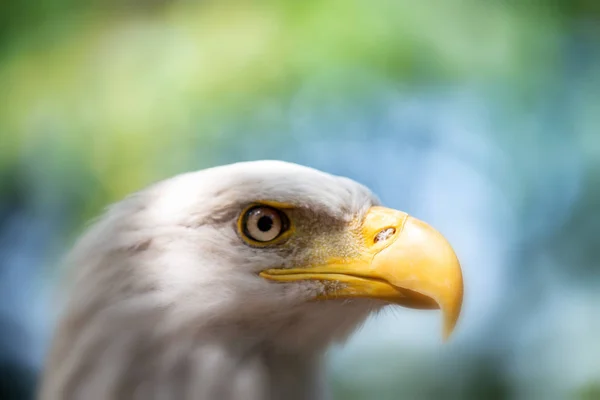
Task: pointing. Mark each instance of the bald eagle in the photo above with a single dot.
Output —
(231, 282)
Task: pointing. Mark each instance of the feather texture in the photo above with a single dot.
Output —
(165, 301)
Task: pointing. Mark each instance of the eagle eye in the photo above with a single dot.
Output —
(263, 224)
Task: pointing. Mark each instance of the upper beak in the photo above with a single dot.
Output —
(403, 260)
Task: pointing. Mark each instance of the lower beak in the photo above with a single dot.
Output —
(404, 261)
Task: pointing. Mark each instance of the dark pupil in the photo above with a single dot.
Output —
(265, 224)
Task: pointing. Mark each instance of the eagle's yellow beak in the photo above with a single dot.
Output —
(403, 261)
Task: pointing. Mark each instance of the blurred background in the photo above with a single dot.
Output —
(481, 117)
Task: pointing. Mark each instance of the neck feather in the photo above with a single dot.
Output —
(130, 361)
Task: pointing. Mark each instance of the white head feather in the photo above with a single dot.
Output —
(167, 301)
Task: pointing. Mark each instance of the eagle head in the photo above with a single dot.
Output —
(256, 258)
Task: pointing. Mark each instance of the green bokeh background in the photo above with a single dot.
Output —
(100, 98)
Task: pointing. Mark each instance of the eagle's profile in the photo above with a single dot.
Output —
(229, 283)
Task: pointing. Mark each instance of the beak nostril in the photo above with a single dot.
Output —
(384, 234)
